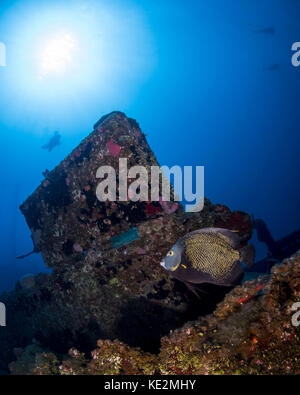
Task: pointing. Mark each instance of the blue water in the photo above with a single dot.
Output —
(193, 73)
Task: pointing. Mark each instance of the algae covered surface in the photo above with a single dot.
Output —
(250, 332)
(110, 308)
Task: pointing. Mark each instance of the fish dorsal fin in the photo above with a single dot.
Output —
(229, 236)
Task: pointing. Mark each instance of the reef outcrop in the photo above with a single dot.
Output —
(107, 282)
(250, 332)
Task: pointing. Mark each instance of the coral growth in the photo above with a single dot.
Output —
(107, 282)
(252, 335)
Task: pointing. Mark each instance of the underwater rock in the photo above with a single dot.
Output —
(250, 332)
(68, 216)
(66, 211)
(107, 282)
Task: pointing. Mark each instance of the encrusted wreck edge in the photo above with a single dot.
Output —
(250, 332)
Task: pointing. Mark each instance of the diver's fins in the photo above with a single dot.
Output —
(247, 255)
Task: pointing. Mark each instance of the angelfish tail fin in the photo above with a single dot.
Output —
(247, 255)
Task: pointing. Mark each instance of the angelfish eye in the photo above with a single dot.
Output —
(171, 253)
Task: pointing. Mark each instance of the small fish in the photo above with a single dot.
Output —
(273, 67)
(53, 142)
(209, 255)
(267, 30)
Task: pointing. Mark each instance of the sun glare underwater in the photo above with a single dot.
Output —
(195, 83)
(64, 51)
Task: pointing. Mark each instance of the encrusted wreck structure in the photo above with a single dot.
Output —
(277, 249)
(254, 330)
(107, 285)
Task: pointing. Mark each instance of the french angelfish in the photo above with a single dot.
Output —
(209, 255)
